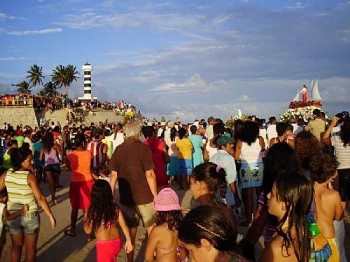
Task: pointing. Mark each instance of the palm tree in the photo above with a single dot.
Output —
(64, 76)
(35, 75)
(49, 90)
(72, 73)
(59, 76)
(24, 87)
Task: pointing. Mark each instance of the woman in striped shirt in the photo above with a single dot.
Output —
(22, 188)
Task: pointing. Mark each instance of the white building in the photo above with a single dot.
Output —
(87, 68)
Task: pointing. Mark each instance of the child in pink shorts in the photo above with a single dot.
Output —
(102, 218)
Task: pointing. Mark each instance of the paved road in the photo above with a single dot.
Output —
(54, 246)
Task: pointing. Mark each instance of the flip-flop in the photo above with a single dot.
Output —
(67, 232)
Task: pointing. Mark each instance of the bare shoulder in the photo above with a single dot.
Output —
(330, 195)
(273, 252)
(157, 232)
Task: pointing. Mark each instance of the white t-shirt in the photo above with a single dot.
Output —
(271, 132)
(341, 153)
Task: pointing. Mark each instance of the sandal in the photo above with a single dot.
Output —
(68, 232)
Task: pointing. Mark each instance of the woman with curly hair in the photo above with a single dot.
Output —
(290, 201)
(306, 146)
(249, 151)
(162, 244)
(103, 218)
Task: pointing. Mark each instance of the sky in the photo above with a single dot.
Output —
(186, 59)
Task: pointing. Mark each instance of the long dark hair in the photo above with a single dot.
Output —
(296, 191)
(345, 132)
(48, 142)
(281, 157)
(205, 222)
(212, 175)
(102, 208)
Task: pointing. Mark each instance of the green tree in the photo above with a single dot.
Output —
(64, 76)
(35, 75)
(49, 90)
(72, 73)
(24, 87)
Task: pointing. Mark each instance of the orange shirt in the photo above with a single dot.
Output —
(80, 163)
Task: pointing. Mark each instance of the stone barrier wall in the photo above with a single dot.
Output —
(18, 115)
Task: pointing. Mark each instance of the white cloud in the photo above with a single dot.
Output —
(11, 58)
(194, 84)
(4, 16)
(36, 32)
(243, 98)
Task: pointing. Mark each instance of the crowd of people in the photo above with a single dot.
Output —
(291, 180)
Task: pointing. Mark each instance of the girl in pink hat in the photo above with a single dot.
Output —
(162, 244)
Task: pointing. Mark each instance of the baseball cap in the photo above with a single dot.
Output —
(166, 200)
(223, 140)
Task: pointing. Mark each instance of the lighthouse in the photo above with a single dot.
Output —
(87, 68)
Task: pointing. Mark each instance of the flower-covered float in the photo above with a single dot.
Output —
(302, 107)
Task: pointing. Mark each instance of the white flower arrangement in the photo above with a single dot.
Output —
(304, 113)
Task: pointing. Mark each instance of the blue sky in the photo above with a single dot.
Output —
(190, 59)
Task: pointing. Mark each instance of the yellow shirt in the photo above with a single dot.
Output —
(185, 147)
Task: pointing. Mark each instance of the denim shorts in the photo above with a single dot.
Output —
(28, 223)
(54, 168)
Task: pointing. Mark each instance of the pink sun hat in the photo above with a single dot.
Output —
(166, 200)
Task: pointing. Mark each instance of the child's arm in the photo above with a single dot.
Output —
(87, 225)
(151, 247)
(124, 227)
(42, 154)
(12, 216)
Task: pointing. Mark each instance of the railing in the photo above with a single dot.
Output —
(23, 102)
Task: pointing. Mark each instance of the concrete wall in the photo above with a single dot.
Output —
(60, 115)
(18, 115)
(28, 116)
